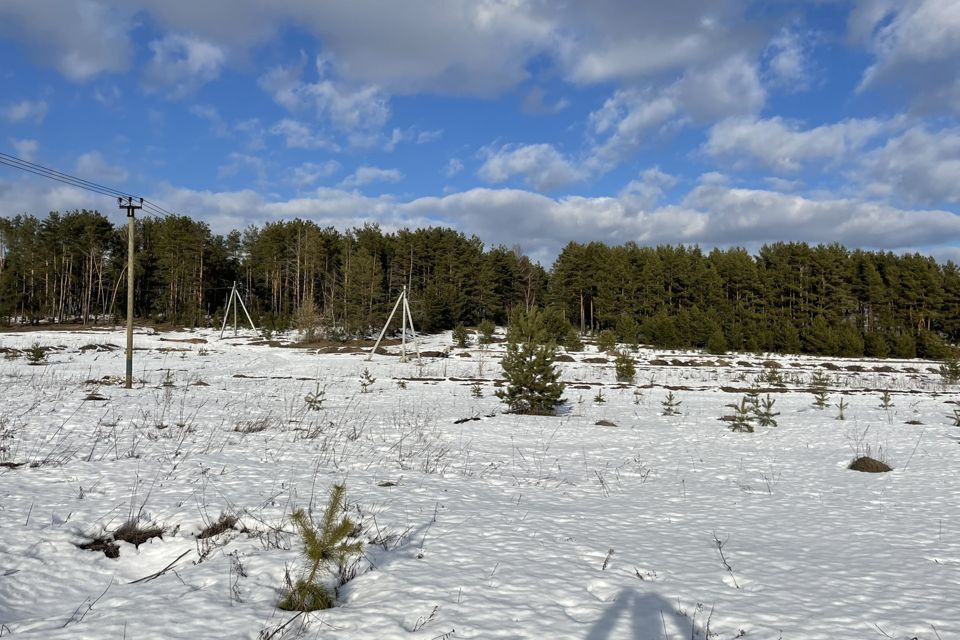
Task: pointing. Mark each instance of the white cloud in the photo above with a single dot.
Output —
(630, 116)
(309, 173)
(93, 166)
(644, 193)
(788, 66)
(345, 106)
(298, 135)
(729, 87)
(26, 149)
(454, 166)
(915, 43)
(24, 110)
(80, 38)
(426, 137)
(712, 214)
(782, 145)
(541, 166)
(624, 121)
(609, 40)
(919, 165)
(367, 175)
(181, 64)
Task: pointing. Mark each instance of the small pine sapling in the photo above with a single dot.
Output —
(486, 328)
(818, 385)
(606, 341)
(460, 336)
(752, 396)
(325, 547)
(772, 377)
(671, 406)
(842, 406)
(886, 401)
(625, 367)
(766, 416)
(572, 341)
(533, 383)
(36, 354)
(950, 371)
(314, 399)
(476, 390)
(366, 381)
(742, 418)
(599, 399)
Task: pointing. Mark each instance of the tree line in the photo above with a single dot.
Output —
(788, 297)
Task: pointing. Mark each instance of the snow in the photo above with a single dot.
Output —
(505, 526)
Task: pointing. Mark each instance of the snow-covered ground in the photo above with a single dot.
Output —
(504, 526)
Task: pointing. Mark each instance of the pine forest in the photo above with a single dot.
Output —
(785, 297)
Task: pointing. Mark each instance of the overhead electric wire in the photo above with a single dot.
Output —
(150, 208)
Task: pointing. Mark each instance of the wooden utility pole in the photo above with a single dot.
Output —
(130, 207)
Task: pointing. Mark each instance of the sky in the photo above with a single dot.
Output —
(527, 123)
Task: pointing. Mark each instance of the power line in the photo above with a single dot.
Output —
(14, 162)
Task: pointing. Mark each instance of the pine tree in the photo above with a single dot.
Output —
(717, 342)
(460, 336)
(625, 366)
(533, 383)
(324, 546)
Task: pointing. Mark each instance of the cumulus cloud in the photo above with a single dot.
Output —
(181, 64)
(81, 39)
(454, 166)
(645, 192)
(788, 66)
(298, 135)
(345, 106)
(711, 214)
(367, 175)
(919, 165)
(624, 121)
(630, 116)
(915, 43)
(784, 146)
(540, 165)
(93, 166)
(309, 173)
(25, 110)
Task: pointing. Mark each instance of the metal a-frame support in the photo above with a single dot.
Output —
(232, 301)
(405, 316)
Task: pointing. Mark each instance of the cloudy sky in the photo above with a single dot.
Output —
(526, 122)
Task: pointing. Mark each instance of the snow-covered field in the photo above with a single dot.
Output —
(505, 526)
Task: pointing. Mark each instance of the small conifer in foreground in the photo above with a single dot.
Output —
(533, 383)
(326, 546)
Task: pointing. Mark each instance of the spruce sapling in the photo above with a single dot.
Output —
(742, 418)
(625, 367)
(766, 416)
(671, 406)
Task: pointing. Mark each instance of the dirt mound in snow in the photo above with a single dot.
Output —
(869, 465)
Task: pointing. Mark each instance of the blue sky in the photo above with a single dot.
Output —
(527, 123)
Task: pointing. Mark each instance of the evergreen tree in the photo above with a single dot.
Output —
(717, 342)
(533, 383)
